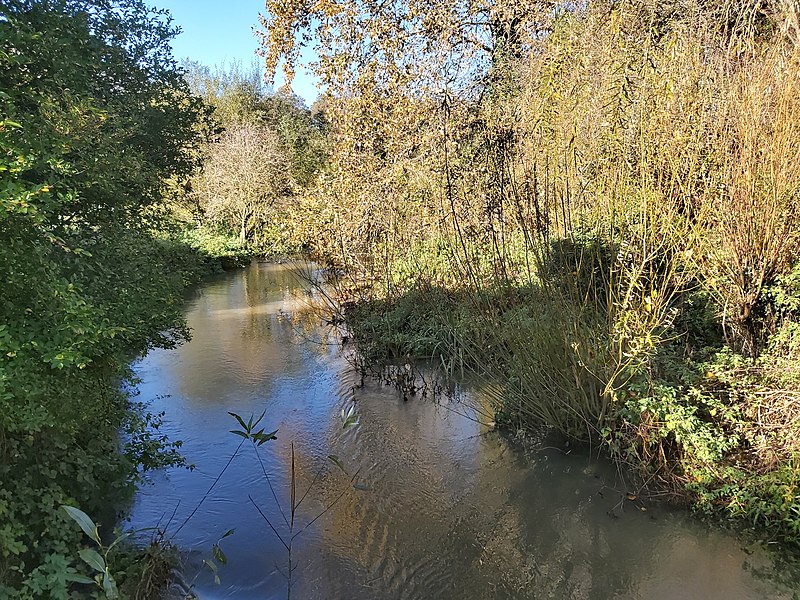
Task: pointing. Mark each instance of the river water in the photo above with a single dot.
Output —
(431, 504)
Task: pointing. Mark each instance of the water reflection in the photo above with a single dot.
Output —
(442, 508)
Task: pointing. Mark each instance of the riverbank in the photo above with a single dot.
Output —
(601, 219)
(692, 420)
(72, 434)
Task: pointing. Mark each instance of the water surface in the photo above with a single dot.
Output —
(433, 503)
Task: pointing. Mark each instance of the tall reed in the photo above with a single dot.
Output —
(636, 152)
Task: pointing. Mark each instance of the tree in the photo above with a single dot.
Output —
(94, 118)
(234, 92)
(246, 173)
(416, 42)
(417, 96)
(239, 96)
(271, 147)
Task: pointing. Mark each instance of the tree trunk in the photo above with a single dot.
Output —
(243, 229)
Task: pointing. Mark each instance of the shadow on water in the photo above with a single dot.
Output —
(441, 506)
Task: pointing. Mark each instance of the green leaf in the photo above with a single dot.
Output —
(210, 564)
(238, 418)
(85, 522)
(262, 438)
(337, 461)
(78, 578)
(258, 420)
(219, 555)
(93, 559)
(110, 586)
(349, 418)
(124, 536)
(227, 534)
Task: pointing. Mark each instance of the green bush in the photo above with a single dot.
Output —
(86, 146)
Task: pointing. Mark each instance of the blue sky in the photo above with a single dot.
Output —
(217, 33)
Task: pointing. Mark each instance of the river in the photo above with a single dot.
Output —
(430, 503)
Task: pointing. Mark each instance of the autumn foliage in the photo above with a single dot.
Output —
(603, 195)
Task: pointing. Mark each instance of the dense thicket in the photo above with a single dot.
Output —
(95, 119)
(594, 204)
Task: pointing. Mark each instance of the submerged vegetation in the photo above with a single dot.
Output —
(594, 206)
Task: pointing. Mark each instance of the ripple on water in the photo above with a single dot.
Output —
(432, 505)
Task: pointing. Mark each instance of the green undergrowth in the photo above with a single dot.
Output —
(69, 431)
(225, 250)
(97, 127)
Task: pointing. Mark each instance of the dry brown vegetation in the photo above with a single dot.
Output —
(607, 193)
